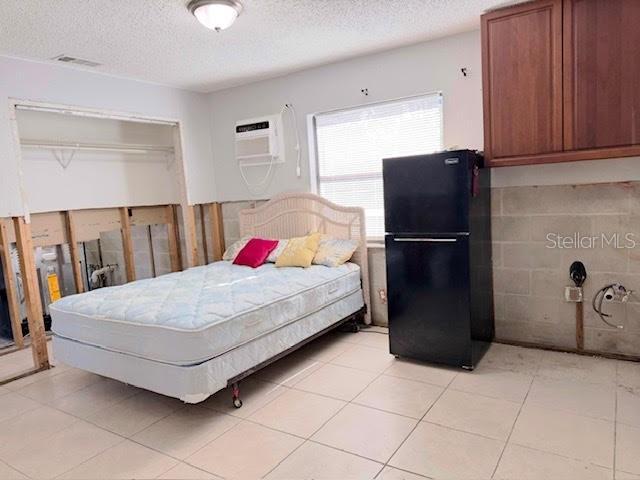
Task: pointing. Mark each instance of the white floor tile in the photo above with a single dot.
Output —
(510, 357)
(570, 366)
(135, 413)
(318, 462)
(185, 431)
(390, 473)
(336, 381)
(366, 432)
(421, 372)
(588, 399)
(628, 411)
(399, 395)
(54, 387)
(628, 449)
(297, 412)
(63, 451)
(494, 382)
(36, 377)
(29, 429)
(326, 349)
(620, 475)
(94, 398)
(629, 374)
(472, 413)
(246, 451)
(374, 339)
(183, 471)
(12, 405)
(371, 359)
(123, 461)
(442, 453)
(565, 434)
(527, 464)
(8, 473)
(254, 394)
(289, 370)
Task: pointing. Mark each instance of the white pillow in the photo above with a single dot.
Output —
(231, 253)
(275, 253)
(333, 252)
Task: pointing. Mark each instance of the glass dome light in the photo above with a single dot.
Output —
(215, 14)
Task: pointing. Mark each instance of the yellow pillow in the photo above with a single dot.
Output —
(299, 252)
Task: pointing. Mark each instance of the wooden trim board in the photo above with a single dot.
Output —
(31, 293)
(10, 284)
(73, 251)
(217, 230)
(127, 245)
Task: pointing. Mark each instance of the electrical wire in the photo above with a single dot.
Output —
(596, 303)
(294, 119)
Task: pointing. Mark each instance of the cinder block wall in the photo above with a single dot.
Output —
(530, 275)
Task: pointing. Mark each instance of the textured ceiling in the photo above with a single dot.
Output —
(160, 41)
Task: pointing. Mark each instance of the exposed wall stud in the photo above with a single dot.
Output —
(173, 236)
(31, 293)
(188, 213)
(203, 228)
(217, 230)
(73, 251)
(10, 284)
(127, 244)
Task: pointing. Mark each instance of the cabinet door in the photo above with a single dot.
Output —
(602, 73)
(522, 80)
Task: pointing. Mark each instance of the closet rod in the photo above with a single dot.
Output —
(124, 148)
(92, 114)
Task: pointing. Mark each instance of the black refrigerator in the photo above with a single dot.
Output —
(438, 257)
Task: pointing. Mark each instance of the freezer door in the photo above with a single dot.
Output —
(427, 193)
(428, 298)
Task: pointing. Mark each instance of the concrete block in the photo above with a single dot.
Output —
(507, 280)
(511, 228)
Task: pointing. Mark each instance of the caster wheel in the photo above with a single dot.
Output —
(237, 402)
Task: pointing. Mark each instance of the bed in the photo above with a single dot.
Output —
(190, 334)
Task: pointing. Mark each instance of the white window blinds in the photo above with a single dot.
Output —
(352, 143)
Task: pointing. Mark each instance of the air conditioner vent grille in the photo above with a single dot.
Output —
(76, 61)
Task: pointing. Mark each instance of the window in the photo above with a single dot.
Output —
(352, 143)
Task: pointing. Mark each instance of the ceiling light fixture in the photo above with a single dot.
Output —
(215, 14)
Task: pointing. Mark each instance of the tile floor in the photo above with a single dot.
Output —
(340, 408)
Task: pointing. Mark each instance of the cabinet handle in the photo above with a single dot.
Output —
(430, 240)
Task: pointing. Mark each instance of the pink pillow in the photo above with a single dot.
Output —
(255, 252)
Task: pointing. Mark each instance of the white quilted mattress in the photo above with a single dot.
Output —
(189, 317)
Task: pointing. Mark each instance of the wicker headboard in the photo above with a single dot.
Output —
(296, 214)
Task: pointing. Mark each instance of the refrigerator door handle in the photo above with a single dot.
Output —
(429, 240)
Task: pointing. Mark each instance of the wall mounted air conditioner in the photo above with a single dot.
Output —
(259, 141)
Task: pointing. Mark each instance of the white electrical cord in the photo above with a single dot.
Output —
(264, 182)
(289, 106)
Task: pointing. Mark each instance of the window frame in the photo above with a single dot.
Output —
(312, 133)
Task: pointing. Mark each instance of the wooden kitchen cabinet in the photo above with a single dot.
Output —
(522, 75)
(561, 81)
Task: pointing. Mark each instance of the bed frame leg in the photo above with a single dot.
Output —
(235, 389)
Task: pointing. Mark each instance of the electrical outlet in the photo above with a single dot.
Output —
(382, 293)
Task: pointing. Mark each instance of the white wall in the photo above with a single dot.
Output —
(418, 69)
(26, 80)
(99, 179)
(406, 71)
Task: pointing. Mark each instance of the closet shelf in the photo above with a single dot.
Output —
(113, 147)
